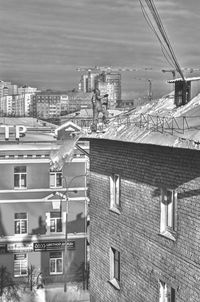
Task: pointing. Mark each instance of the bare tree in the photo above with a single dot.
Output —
(9, 289)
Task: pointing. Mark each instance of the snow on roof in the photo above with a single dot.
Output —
(181, 80)
(157, 123)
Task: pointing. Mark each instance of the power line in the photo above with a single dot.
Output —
(166, 47)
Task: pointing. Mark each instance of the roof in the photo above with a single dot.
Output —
(186, 79)
(158, 123)
(88, 113)
(36, 130)
(68, 126)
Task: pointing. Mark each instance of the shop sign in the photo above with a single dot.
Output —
(18, 130)
(20, 247)
(53, 245)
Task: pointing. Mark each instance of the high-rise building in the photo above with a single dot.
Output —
(110, 83)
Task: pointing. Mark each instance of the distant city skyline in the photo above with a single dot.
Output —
(42, 42)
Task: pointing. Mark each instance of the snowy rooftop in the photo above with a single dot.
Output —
(158, 123)
(187, 80)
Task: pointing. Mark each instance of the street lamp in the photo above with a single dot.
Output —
(66, 193)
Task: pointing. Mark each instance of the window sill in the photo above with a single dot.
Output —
(115, 210)
(52, 274)
(18, 276)
(18, 188)
(114, 283)
(169, 235)
(59, 187)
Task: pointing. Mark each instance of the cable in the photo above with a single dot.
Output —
(158, 21)
(166, 47)
(163, 49)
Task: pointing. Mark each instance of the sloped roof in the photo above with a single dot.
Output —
(157, 123)
(187, 80)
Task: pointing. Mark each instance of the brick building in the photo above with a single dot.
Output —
(33, 201)
(144, 210)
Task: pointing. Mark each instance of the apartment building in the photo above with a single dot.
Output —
(34, 199)
(48, 104)
(144, 206)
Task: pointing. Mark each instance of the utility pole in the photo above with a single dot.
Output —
(66, 226)
(150, 90)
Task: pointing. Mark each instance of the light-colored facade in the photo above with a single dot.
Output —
(33, 205)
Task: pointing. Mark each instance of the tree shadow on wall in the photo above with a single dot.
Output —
(41, 229)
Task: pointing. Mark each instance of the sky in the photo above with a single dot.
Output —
(44, 41)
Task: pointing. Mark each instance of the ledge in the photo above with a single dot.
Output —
(114, 283)
(115, 210)
(168, 235)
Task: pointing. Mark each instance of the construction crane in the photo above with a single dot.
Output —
(110, 69)
(173, 71)
(149, 88)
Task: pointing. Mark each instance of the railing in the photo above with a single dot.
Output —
(165, 124)
(152, 122)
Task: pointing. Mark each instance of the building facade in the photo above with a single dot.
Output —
(47, 104)
(144, 223)
(144, 207)
(34, 199)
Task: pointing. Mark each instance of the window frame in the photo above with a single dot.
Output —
(115, 193)
(20, 265)
(54, 173)
(115, 274)
(19, 174)
(55, 260)
(21, 220)
(168, 214)
(55, 219)
(166, 292)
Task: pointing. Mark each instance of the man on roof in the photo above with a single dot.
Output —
(99, 106)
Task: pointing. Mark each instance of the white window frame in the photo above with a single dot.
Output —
(113, 280)
(55, 220)
(168, 213)
(166, 293)
(21, 265)
(54, 173)
(115, 193)
(20, 178)
(55, 260)
(20, 221)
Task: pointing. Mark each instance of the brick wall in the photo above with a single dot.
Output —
(146, 256)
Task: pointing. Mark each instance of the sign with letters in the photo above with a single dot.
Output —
(53, 245)
(19, 130)
(20, 247)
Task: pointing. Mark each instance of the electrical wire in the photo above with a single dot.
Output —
(163, 48)
(164, 35)
(166, 47)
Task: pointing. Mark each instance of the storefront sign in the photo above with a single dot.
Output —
(18, 130)
(53, 245)
(20, 247)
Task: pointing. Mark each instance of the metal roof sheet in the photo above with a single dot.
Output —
(181, 80)
(181, 128)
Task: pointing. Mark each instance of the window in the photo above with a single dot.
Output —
(115, 192)
(55, 179)
(55, 222)
(115, 267)
(20, 265)
(167, 293)
(56, 263)
(20, 177)
(168, 213)
(21, 222)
